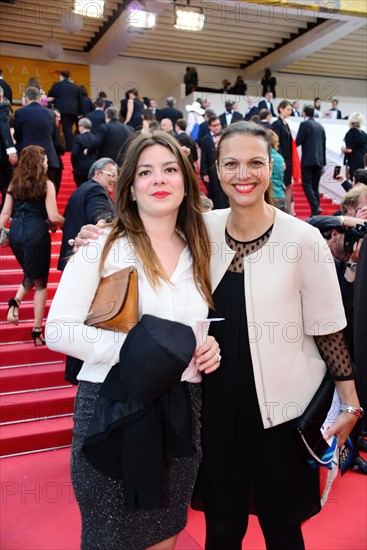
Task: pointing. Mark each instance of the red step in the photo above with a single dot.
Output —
(26, 311)
(15, 276)
(11, 334)
(10, 262)
(7, 292)
(32, 377)
(27, 354)
(37, 404)
(37, 435)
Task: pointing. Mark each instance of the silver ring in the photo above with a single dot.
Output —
(219, 357)
(71, 242)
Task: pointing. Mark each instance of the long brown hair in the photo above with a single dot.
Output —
(29, 181)
(189, 220)
(249, 129)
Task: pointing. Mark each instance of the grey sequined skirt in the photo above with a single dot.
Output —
(106, 525)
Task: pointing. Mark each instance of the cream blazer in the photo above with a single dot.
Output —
(291, 294)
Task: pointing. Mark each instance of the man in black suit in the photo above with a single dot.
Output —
(267, 103)
(312, 138)
(229, 116)
(186, 140)
(204, 128)
(97, 117)
(265, 118)
(8, 152)
(80, 161)
(8, 93)
(208, 170)
(153, 107)
(89, 203)
(335, 112)
(251, 108)
(36, 125)
(111, 137)
(67, 99)
(170, 111)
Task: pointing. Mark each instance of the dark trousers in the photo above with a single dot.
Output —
(310, 182)
(228, 534)
(80, 178)
(67, 122)
(6, 173)
(216, 194)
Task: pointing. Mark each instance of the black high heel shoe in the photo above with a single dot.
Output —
(13, 311)
(37, 337)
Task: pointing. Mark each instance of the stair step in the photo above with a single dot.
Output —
(36, 405)
(36, 435)
(15, 276)
(10, 262)
(16, 379)
(11, 334)
(27, 354)
(8, 291)
(26, 312)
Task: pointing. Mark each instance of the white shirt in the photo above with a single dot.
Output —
(98, 348)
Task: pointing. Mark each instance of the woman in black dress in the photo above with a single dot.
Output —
(252, 460)
(282, 129)
(268, 83)
(132, 109)
(31, 202)
(355, 143)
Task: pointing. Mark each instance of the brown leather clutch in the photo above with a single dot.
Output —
(115, 304)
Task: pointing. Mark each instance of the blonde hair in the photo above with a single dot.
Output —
(352, 198)
(356, 119)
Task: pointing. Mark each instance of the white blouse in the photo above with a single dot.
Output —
(99, 349)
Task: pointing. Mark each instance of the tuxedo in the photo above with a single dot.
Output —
(312, 138)
(8, 93)
(295, 113)
(81, 162)
(208, 168)
(252, 112)
(35, 125)
(97, 118)
(109, 139)
(170, 112)
(236, 117)
(87, 204)
(68, 100)
(338, 113)
(263, 104)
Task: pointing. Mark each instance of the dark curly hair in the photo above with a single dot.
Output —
(30, 178)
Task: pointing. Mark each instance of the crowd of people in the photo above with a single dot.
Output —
(213, 427)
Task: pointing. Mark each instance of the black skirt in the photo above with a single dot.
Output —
(246, 468)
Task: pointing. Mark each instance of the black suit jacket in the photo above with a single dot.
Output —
(8, 93)
(5, 137)
(236, 117)
(172, 113)
(312, 137)
(97, 118)
(109, 139)
(68, 99)
(263, 105)
(35, 125)
(253, 111)
(87, 204)
(203, 131)
(81, 162)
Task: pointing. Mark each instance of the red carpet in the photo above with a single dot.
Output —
(38, 508)
(39, 511)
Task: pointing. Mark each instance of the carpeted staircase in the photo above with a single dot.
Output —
(36, 403)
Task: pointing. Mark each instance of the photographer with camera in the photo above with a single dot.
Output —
(354, 203)
(344, 236)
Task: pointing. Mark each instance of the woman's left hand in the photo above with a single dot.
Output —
(342, 427)
(207, 356)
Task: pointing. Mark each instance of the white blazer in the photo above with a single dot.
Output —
(291, 294)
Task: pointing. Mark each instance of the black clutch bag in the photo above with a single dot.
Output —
(309, 424)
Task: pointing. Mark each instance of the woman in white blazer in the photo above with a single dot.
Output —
(159, 230)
